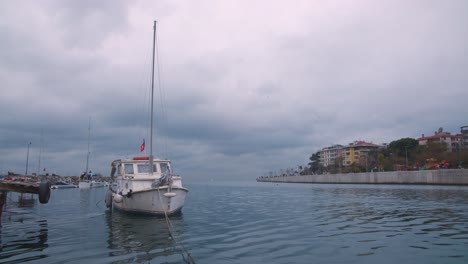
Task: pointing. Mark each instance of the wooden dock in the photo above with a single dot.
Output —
(21, 187)
(41, 188)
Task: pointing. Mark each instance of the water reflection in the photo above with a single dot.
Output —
(26, 200)
(22, 239)
(25, 243)
(425, 217)
(134, 238)
(85, 198)
(403, 192)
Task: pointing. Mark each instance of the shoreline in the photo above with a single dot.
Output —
(425, 177)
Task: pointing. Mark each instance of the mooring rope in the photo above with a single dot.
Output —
(170, 228)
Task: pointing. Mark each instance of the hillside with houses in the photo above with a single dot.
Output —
(441, 150)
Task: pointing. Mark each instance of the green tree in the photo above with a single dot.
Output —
(357, 167)
(339, 164)
(314, 163)
(405, 148)
(380, 159)
(432, 150)
(403, 145)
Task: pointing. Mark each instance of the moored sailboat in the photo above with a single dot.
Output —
(138, 190)
(86, 180)
(146, 185)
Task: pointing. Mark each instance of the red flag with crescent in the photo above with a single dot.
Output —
(142, 146)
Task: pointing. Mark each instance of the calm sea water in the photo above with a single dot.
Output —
(246, 222)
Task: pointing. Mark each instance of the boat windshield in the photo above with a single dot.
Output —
(144, 168)
(165, 169)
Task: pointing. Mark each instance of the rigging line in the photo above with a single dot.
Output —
(142, 85)
(97, 204)
(148, 102)
(162, 99)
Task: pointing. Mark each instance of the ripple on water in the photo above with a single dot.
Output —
(248, 223)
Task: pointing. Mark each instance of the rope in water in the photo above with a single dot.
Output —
(170, 228)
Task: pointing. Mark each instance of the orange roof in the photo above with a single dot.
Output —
(439, 135)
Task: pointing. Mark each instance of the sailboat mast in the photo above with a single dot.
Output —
(152, 96)
(87, 154)
(40, 153)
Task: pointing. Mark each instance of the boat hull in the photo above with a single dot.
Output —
(91, 184)
(63, 186)
(160, 201)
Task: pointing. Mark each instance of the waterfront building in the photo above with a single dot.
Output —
(464, 133)
(328, 155)
(357, 151)
(453, 142)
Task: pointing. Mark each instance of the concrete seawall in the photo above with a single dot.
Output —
(426, 177)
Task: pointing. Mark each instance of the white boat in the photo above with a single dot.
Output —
(63, 185)
(91, 184)
(86, 180)
(140, 191)
(145, 185)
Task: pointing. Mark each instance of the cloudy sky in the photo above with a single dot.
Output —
(246, 86)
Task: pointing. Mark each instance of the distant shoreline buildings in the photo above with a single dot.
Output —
(346, 155)
(442, 150)
(358, 151)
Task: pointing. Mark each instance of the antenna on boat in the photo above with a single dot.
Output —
(152, 96)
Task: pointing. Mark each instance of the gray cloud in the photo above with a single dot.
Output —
(247, 87)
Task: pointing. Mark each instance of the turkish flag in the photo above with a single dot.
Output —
(142, 146)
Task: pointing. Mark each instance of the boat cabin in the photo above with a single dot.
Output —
(139, 166)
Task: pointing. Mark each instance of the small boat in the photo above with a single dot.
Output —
(140, 191)
(63, 185)
(91, 184)
(146, 185)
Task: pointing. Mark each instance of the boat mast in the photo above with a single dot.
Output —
(152, 95)
(40, 152)
(87, 154)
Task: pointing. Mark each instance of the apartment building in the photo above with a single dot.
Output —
(453, 141)
(464, 133)
(328, 155)
(354, 152)
(357, 152)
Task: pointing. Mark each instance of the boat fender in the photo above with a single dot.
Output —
(169, 194)
(118, 198)
(129, 194)
(44, 192)
(108, 199)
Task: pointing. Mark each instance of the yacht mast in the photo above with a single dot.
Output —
(87, 154)
(152, 96)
